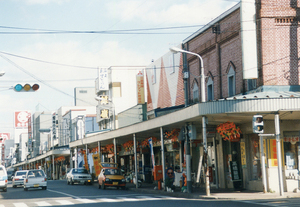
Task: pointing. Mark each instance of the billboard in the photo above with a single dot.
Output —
(21, 119)
(140, 88)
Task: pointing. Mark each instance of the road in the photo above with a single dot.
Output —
(61, 194)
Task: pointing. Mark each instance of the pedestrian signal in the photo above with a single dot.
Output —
(258, 124)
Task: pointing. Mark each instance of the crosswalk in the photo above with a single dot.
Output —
(76, 201)
(275, 202)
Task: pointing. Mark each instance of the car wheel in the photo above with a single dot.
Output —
(14, 186)
(72, 183)
(103, 186)
(123, 187)
(44, 188)
(68, 183)
(4, 189)
(26, 189)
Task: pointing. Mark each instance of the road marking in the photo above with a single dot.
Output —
(54, 191)
(127, 199)
(65, 202)
(43, 203)
(83, 200)
(147, 198)
(107, 200)
(20, 204)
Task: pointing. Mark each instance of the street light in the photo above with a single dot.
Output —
(2, 73)
(202, 80)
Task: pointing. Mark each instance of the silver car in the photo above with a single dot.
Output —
(3, 178)
(35, 179)
(18, 178)
(79, 175)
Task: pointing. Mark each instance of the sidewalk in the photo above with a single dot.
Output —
(225, 194)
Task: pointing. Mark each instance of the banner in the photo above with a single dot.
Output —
(152, 152)
(96, 159)
(86, 164)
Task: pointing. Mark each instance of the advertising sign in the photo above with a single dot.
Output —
(140, 88)
(96, 159)
(243, 155)
(103, 79)
(4, 136)
(21, 119)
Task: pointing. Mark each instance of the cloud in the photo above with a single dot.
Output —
(187, 12)
(46, 1)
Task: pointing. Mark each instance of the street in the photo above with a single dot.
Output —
(61, 194)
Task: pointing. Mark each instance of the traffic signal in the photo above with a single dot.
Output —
(27, 87)
(258, 124)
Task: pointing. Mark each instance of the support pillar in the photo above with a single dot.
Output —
(135, 162)
(163, 156)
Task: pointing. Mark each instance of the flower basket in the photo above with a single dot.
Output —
(173, 135)
(110, 148)
(229, 131)
(128, 146)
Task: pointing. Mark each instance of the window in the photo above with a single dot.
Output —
(154, 74)
(172, 63)
(210, 89)
(231, 81)
(251, 84)
(195, 93)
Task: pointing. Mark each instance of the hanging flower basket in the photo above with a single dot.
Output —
(229, 131)
(145, 142)
(110, 148)
(173, 135)
(128, 146)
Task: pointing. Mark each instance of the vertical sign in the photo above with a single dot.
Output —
(140, 88)
(273, 153)
(243, 155)
(21, 119)
(96, 159)
(29, 134)
(103, 79)
(152, 152)
(86, 164)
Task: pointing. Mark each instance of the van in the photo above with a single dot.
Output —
(3, 178)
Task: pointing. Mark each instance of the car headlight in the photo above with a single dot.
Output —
(106, 179)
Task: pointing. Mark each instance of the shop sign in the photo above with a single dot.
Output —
(235, 171)
(292, 140)
(273, 153)
(243, 155)
(96, 159)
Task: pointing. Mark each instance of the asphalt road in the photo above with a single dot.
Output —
(61, 194)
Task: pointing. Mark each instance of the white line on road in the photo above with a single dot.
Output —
(20, 205)
(43, 203)
(54, 191)
(85, 200)
(65, 202)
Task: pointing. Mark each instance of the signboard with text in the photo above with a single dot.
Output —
(21, 119)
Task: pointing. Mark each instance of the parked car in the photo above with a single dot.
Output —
(3, 178)
(35, 179)
(18, 178)
(111, 177)
(79, 175)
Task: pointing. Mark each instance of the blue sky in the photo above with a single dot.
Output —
(85, 49)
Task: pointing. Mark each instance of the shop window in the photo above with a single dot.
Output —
(291, 148)
(255, 158)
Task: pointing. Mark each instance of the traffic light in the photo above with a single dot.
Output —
(258, 124)
(27, 87)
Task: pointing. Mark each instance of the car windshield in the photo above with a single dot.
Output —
(36, 173)
(21, 173)
(113, 172)
(84, 171)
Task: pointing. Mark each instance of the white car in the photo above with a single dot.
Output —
(35, 179)
(79, 175)
(3, 178)
(18, 178)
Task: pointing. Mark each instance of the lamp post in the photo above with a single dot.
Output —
(203, 99)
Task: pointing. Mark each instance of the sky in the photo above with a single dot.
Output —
(59, 44)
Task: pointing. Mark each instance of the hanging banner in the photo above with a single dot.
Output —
(86, 164)
(152, 152)
(243, 155)
(140, 88)
(96, 159)
(273, 153)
